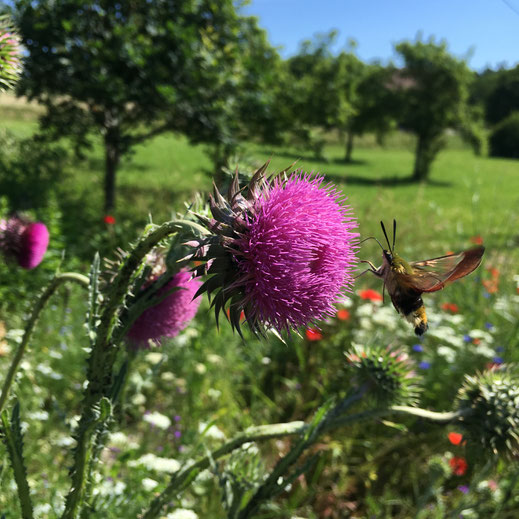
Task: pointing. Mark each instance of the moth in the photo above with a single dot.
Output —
(406, 282)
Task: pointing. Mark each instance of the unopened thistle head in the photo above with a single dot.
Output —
(387, 374)
(282, 250)
(171, 314)
(24, 241)
(10, 55)
(491, 400)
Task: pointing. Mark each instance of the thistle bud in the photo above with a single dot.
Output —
(386, 372)
(491, 402)
(10, 53)
(175, 305)
(281, 251)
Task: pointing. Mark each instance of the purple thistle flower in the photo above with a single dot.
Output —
(26, 242)
(169, 317)
(464, 489)
(283, 255)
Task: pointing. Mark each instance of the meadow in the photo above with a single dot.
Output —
(177, 406)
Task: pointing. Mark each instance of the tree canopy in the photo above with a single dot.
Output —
(129, 70)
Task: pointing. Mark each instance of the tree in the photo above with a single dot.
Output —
(498, 92)
(128, 70)
(434, 90)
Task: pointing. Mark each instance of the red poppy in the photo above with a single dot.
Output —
(491, 285)
(109, 219)
(476, 341)
(343, 314)
(493, 272)
(228, 312)
(458, 465)
(370, 295)
(450, 307)
(455, 438)
(313, 334)
(478, 240)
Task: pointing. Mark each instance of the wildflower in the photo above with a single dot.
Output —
(424, 365)
(283, 251)
(158, 420)
(10, 53)
(343, 314)
(109, 219)
(467, 338)
(182, 513)
(464, 489)
(455, 438)
(156, 463)
(313, 334)
(24, 241)
(418, 348)
(450, 307)
(477, 240)
(370, 295)
(458, 465)
(171, 315)
(497, 360)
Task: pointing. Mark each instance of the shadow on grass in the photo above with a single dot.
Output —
(384, 181)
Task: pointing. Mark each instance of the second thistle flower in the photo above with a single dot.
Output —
(282, 250)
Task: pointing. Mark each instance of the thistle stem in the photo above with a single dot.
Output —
(31, 323)
(103, 356)
(181, 479)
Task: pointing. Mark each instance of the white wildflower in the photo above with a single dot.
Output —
(154, 357)
(156, 463)
(200, 368)
(158, 420)
(182, 513)
(149, 484)
(214, 433)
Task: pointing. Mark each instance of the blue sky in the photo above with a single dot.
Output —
(485, 30)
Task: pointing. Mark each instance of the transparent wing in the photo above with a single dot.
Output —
(433, 274)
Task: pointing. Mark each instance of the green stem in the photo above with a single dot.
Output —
(13, 441)
(103, 356)
(31, 323)
(184, 477)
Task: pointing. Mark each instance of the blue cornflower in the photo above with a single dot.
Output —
(467, 338)
(489, 326)
(498, 360)
(418, 348)
(424, 365)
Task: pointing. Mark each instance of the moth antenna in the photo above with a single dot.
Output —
(371, 238)
(394, 234)
(385, 234)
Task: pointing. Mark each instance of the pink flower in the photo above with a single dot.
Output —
(24, 241)
(281, 250)
(169, 317)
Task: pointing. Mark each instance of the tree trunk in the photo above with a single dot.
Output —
(349, 145)
(423, 159)
(112, 157)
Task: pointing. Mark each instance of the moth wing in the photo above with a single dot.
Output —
(433, 274)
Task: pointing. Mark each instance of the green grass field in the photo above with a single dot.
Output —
(385, 468)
